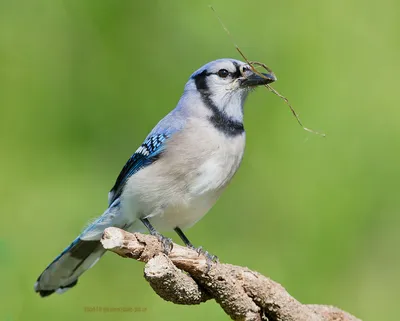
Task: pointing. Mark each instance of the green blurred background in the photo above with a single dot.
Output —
(83, 82)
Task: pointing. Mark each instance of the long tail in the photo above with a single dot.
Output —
(84, 252)
(62, 274)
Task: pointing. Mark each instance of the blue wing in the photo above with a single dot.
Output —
(146, 154)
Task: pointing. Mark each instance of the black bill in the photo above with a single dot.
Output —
(257, 80)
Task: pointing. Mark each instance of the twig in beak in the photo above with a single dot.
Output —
(270, 88)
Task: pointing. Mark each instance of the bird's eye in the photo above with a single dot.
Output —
(223, 73)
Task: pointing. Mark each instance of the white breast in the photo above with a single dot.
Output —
(180, 188)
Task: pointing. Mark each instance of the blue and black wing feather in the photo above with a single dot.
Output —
(146, 154)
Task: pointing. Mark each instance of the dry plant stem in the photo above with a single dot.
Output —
(274, 91)
(270, 88)
(244, 295)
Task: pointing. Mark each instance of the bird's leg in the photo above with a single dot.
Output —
(166, 242)
(210, 258)
(184, 238)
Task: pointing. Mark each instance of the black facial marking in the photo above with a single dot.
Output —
(219, 119)
(237, 72)
(200, 81)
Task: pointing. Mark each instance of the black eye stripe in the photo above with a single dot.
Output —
(200, 78)
(235, 74)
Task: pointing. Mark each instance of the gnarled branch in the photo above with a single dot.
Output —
(183, 277)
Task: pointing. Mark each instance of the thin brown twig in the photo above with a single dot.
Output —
(270, 88)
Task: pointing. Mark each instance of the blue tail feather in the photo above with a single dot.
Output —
(62, 274)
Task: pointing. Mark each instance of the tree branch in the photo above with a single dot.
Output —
(182, 278)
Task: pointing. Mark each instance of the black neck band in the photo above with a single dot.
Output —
(219, 119)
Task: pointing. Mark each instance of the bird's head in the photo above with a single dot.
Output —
(224, 84)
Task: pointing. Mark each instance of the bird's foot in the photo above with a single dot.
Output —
(210, 258)
(166, 243)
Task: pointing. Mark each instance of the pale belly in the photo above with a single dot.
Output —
(168, 202)
(181, 187)
(183, 214)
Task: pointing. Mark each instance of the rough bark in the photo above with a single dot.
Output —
(183, 277)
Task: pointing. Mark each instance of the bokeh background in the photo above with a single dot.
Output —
(83, 82)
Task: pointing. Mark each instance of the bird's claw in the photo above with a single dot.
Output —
(166, 243)
(210, 258)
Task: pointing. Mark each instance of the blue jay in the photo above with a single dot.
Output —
(177, 174)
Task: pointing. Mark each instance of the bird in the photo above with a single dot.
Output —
(173, 179)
